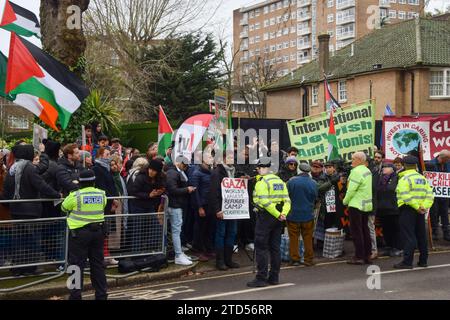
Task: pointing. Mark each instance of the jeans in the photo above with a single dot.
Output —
(412, 226)
(373, 233)
(226, 231)
(176, 224)
(439, 210)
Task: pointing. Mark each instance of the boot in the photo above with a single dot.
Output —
(220, 261)
(228, 258)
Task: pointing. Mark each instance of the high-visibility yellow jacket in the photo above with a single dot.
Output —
(269, 192)
(359, 190)
(414, 190)
(84, 206)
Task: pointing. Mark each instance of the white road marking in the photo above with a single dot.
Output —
(244, 273)
(415, 269)
(241, 292)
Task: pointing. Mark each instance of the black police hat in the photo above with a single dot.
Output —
(87, 176)
(410, 160)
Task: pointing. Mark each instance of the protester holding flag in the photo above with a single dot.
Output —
(328, 197)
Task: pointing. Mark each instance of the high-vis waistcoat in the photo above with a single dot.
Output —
(359, 190)
(84, 206)
(414, 190)
(270, 191)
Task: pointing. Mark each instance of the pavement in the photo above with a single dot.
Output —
(171, 279)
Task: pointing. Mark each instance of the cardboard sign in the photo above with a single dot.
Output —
(235, 202)
(440, 182)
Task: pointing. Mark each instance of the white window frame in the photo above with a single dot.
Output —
(414, 2)
(342, 91)
(445, 83)
(18, 122)
(266, 23)
(392, 14)
(266, 9)
(272, 21)
(402, 15)
(266, 36)
(402, 1)
(257, 26)
(315, 95)
(330, 18)
(330, 3)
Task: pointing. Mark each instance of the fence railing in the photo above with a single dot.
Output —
(32, 244)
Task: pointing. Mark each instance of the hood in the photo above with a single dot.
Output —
(52, 149)
(25, 152)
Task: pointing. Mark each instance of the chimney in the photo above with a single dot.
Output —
(324, 52)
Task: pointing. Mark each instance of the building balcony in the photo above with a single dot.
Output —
(243, 22)
(304, 17)
(345, 20)
(304, 31)
(303, 3)
(344, 4)
(304, 45)
(243, 34)
(346, 35)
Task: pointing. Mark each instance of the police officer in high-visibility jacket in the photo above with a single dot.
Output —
(414, 198)
(87, 231)
(271, 199)
(359, 201)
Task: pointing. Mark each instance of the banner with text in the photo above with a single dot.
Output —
(440, 182)
(235, 202)
(404, 134)
(355, 131)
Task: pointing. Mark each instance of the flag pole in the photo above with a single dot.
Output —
(422, 169)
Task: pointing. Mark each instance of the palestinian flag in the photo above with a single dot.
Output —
(333, 152)
(39, 83)
(165, 133)
(20, 20)
(331, 102)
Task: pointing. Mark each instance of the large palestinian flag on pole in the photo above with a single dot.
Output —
(36, 81)
(20, 20)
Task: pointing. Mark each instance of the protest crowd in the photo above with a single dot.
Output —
(321, 197)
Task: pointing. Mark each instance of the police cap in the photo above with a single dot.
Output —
(410, 160)
(264, 162)
(87, 176)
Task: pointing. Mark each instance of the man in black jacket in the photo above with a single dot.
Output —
(23, 182)
(178, 192)
(68, 171)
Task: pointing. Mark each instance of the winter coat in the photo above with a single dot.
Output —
(50, 175)
(141, 187)
(66, 174)
(303, 193)
(177, 188)
(387, 197)
(215, 194)
(435, 166)
(201, 179)
(32, 186)
(285, 174)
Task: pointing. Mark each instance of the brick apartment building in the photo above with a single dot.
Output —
(405, 65)
(283, 34)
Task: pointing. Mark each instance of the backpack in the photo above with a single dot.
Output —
(154, 262)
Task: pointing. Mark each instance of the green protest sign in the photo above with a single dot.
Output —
(355, 131)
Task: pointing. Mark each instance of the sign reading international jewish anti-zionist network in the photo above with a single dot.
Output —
(404, 134)
(355, 131)
(235, 204)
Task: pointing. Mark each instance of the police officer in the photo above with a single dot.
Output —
(86, 224)
(414, 198)
(271, 198)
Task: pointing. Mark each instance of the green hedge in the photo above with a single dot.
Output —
(139, 135)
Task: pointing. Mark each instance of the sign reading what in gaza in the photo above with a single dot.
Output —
(355, 131)
(405, 134)
(235, 204)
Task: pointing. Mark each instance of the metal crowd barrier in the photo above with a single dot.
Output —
(28, 246)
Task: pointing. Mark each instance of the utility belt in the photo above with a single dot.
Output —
(279, 207)
(92, 227)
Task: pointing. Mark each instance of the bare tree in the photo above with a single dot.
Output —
(130, 27)
(64, 41)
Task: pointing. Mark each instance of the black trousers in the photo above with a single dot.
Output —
(412, 226)
(267, 243)
(391, 230)
(359, 229)
(204, 231)
(246, 229)
(86, 243)
(439, 210)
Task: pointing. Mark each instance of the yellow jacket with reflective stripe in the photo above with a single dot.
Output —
(414, 190)
(359, 190)
(84, 206)
(270, 191)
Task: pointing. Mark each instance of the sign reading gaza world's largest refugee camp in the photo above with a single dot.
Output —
(355, 131)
